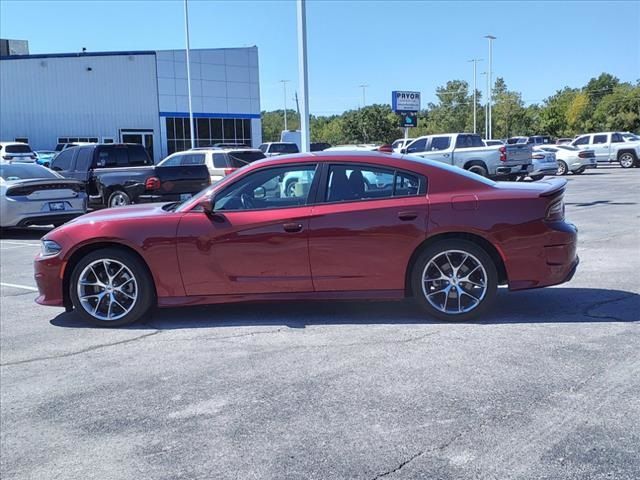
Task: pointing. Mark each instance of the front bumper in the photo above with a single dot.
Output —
(49, 273)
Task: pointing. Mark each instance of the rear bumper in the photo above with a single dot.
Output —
(48, 273)
(508, 170)
(48, 219)
(548, 258)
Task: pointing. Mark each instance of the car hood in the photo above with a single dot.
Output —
(122, 213)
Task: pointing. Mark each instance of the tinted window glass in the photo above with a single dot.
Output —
(219, 160)
(599, 139)
(284, 148)
(17, 172)
(172, 161)
(263, 147)
(106, 157)
(193, 159)
(616, 138)
(352, 183)
(18, 149)
(137, 156)
(83, 160)
(582, 140)
(62, 161)
(440, 143)
(406, 185)
(417, 146)
(268, 188)
(241, 158)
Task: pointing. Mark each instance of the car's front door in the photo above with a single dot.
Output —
(600, 144)
(255, 242)
(362, 234)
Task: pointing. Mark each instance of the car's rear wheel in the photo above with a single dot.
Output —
(627, 159)
(478, 169)
(111, 288)
(454, 280)
(535, 178)
(579, 171)
(119, 199)
(562, 168)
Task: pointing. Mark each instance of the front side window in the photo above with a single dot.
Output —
(582, 140)
(440, 143)
(269, 188)
(193, 159)
(418, 146)
(598, 139)
(617, 138)
(83, 160)
(62, 161)
(172, 161)
(264, 147)
(348, 183)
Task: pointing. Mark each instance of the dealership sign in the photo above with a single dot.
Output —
(405, 101)
(408, 119)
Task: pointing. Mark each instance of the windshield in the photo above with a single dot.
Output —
(240, 158)
(21, 172)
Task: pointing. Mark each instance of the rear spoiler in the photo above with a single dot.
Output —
(555, 186)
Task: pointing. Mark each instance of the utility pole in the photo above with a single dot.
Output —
(186, 30)
(491, 38)
(297, 105)
(364, 99)
(475, 62)
(486, 109)
(284, 88)
(303, 75)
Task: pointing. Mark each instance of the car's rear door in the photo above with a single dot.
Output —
(255, 242)
(361, 236)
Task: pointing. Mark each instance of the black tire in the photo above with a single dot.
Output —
(627, 159)
(563, 168)
(145, 298)
(580, 171)
(118, 198)
(535, 178)
(478, 168)
(478, 254)
(290, 188)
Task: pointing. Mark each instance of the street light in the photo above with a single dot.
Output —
(303, 75)
(363, 87)
(186, 31)
(486, 109)
(491, 38)
(284, 87)
(475, 61)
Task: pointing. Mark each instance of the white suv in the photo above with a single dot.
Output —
(219, 161)
(611, 147)
(17, 152)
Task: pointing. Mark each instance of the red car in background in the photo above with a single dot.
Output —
(354, 225)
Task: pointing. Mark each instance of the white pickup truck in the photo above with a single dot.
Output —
(468, 151)
(611, 147)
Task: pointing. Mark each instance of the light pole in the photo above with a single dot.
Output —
(491, 38)
(303, 76)
(186, 31)
(284, 88)
(475, 62)
(486, 109)
(364, 100)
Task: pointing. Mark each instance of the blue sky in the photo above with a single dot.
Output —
(541, 46)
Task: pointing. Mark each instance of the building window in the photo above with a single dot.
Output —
(208, 131)
(108, 140)
(22, 140)
(77, 139)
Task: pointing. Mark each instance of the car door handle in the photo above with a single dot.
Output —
(292, 227)
(445, 155)
(406, 216)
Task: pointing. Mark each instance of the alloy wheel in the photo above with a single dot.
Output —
(119, 200)
(626, 160)
(454, 282)
(107, 289)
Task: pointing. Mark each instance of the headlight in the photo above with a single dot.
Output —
(49, 248)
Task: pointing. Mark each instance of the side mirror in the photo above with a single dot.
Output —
(403, 150)
(207, 205)
(260, 193)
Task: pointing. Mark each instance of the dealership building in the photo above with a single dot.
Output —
(133, 97)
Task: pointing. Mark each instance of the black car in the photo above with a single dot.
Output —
(118, 174)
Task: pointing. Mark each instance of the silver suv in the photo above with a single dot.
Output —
(219, 161)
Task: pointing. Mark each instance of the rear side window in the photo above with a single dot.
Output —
(62, 161)
(406, 185)
(599, 139)
(468, 141)
(193, 159)
(440, 143)
(220, 160)
(18, 149)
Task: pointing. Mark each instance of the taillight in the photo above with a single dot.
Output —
(538, 156)
(555, 211)
(586, 154)
(152, 183)
(503, 154)
(227, 171)
(387, 148)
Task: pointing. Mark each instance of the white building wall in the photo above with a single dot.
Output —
(46, 98)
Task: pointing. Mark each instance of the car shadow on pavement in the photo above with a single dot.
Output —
(30, 233)
(551, 305)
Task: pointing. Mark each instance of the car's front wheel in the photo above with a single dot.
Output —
(111, 288)
(454, 280)
(627, 159)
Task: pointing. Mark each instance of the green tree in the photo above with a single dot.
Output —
(620, 110)
(273, 124)
(508, 114)
(371, 124)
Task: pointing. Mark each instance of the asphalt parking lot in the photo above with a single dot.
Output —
(546, 386)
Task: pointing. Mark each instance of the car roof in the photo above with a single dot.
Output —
(220, 150)
(13, 143)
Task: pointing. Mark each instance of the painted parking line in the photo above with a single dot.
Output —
(15, 285)
(21, 244)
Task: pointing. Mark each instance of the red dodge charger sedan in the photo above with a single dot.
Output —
(340, 225)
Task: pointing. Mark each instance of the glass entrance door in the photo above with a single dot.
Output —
(141, 138)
